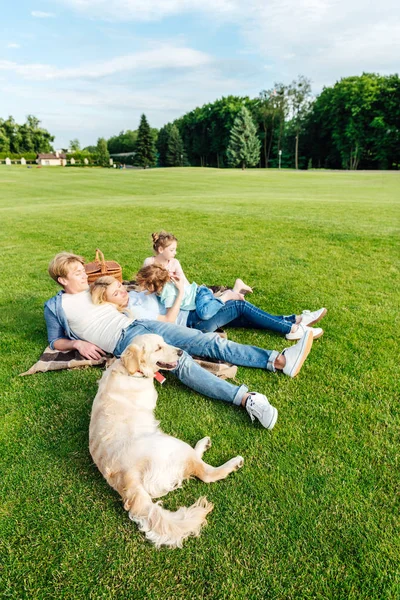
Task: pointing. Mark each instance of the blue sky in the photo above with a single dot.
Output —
(90, 68)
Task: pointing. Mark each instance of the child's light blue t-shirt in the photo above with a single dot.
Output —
(170, 292)
(144, 306)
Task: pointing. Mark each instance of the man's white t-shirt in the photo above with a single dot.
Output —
(100, 324)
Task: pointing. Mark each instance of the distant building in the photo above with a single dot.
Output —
(54, 159)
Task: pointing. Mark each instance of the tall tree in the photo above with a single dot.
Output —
(175, 149)
(74, 145)
(162, 144)
(103, 156)
(244, 145)
(299, 98)
(145, 146)
(4, 141)
(270, 114)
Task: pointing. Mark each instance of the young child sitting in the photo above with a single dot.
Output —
(165, 246)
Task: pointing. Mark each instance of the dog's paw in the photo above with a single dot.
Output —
(207, 443)
(203, 445)
(239, 462)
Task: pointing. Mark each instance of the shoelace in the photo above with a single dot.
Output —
(252, 408)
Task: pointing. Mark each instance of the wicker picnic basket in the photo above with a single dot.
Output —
(100, 267)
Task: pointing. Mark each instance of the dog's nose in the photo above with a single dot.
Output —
(180, 352)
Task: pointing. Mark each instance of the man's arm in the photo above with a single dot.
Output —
(59, 341)
(86, 349)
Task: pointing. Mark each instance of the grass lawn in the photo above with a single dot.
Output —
(314, 512)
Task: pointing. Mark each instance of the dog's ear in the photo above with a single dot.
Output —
(132, 358)
(146, 365)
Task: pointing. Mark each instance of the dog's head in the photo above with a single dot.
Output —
(149, 353)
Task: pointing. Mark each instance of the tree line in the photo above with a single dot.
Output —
(28, 138)
(354, 124)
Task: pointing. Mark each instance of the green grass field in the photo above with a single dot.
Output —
(314, 512)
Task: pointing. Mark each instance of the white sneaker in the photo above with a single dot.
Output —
(300, 331)
(297, 354)
(309, 317)
(258, 406)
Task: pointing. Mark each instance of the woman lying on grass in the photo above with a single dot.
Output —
(146, 305)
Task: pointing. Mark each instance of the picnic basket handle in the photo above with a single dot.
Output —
(100, 259)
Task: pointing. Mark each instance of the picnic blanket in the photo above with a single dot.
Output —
(55, 360)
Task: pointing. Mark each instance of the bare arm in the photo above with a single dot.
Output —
(86, 349)
(172, 313)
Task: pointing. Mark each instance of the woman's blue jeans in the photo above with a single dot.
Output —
(240, 313)
(207, 305)
(209, 345)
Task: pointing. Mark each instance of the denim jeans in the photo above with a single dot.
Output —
(239, 313)
(206, 304)
(209, 345)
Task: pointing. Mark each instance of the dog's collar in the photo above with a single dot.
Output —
(138, 374)
(160, 378)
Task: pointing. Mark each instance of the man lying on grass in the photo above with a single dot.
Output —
(74, 322)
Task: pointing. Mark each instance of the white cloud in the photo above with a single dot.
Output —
(328, 39)
(324, 39)
(13, 45)
(151, 10)
(38, 14)
(88, 109)
(165, 56)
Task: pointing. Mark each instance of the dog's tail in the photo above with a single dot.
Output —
(161, 526)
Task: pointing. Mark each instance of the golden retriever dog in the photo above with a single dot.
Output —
(136, 458)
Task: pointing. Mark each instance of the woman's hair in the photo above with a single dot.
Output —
(60, 264)
(162, 240)
(99, 287)
(153, 278)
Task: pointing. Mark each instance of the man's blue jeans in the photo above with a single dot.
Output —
(239, 313)
(209, 345)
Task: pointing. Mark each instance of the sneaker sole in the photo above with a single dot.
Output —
(321, 316)
(308, 342)
(315, 337)
(274, 419)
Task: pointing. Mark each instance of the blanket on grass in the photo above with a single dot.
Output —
(55, 360)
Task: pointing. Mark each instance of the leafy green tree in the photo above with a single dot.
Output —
(4, 141)
(103, 156)
(90, 149)
(175, 150)
(270, 114)
(356, 124)
(29, 137)
(74, 145)
(162, 144)
(145, 146)
(299, 99)
(125, 141)
(244, 145)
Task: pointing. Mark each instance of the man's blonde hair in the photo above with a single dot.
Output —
(59, 266)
